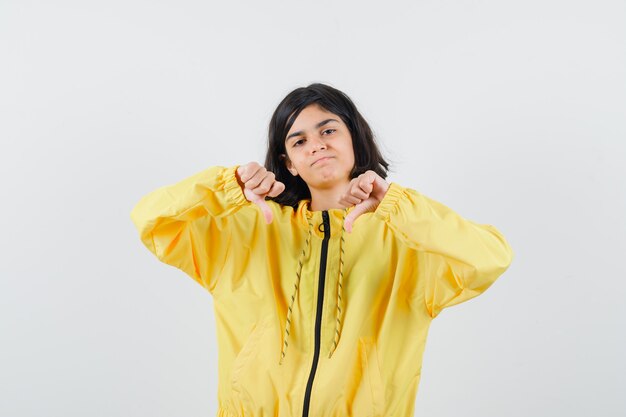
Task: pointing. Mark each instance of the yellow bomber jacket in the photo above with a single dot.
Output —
(313, 320)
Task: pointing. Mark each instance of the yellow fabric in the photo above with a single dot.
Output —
(401, 265)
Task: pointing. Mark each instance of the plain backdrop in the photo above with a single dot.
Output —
(512, 113)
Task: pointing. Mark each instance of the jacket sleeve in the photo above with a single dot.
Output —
(190, 224)
(457, 258)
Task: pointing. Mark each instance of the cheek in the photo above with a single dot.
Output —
(350, 152)
(300, 165)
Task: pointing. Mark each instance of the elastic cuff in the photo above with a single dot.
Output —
(234, 193)
(389, 203)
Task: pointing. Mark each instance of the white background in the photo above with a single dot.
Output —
(511, 113)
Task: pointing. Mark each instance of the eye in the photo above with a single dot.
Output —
(329, 130)
(296, 143)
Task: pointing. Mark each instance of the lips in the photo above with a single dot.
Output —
(321, 159)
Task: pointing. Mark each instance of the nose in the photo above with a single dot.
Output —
(319, 144)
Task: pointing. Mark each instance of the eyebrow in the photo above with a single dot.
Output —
(320, 124)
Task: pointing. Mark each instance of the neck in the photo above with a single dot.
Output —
(328, 198)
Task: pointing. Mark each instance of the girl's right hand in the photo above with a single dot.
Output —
(257, 182)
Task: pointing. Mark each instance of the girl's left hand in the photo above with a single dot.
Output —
(365, 192)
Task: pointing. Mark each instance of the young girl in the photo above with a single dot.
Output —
(324, 276)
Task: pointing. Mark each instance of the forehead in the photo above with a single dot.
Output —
(310, 116)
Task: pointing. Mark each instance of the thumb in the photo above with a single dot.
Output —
(259, 200)
(363, 207)
(267, 211)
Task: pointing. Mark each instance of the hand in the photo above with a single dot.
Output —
(365, 192)
(258, 182)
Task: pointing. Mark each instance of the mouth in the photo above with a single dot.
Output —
(321, 159)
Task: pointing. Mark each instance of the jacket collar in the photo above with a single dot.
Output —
(335, 216)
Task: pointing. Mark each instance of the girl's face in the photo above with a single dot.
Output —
(316, 134)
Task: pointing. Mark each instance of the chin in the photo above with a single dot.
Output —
(329, 179)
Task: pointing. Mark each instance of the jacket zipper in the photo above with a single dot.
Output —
(318, 316)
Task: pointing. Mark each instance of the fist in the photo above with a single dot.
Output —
(364, 193)
(257, 182)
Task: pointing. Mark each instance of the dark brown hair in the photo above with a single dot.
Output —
(366, 153)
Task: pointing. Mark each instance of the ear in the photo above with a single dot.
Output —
(289, 165)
